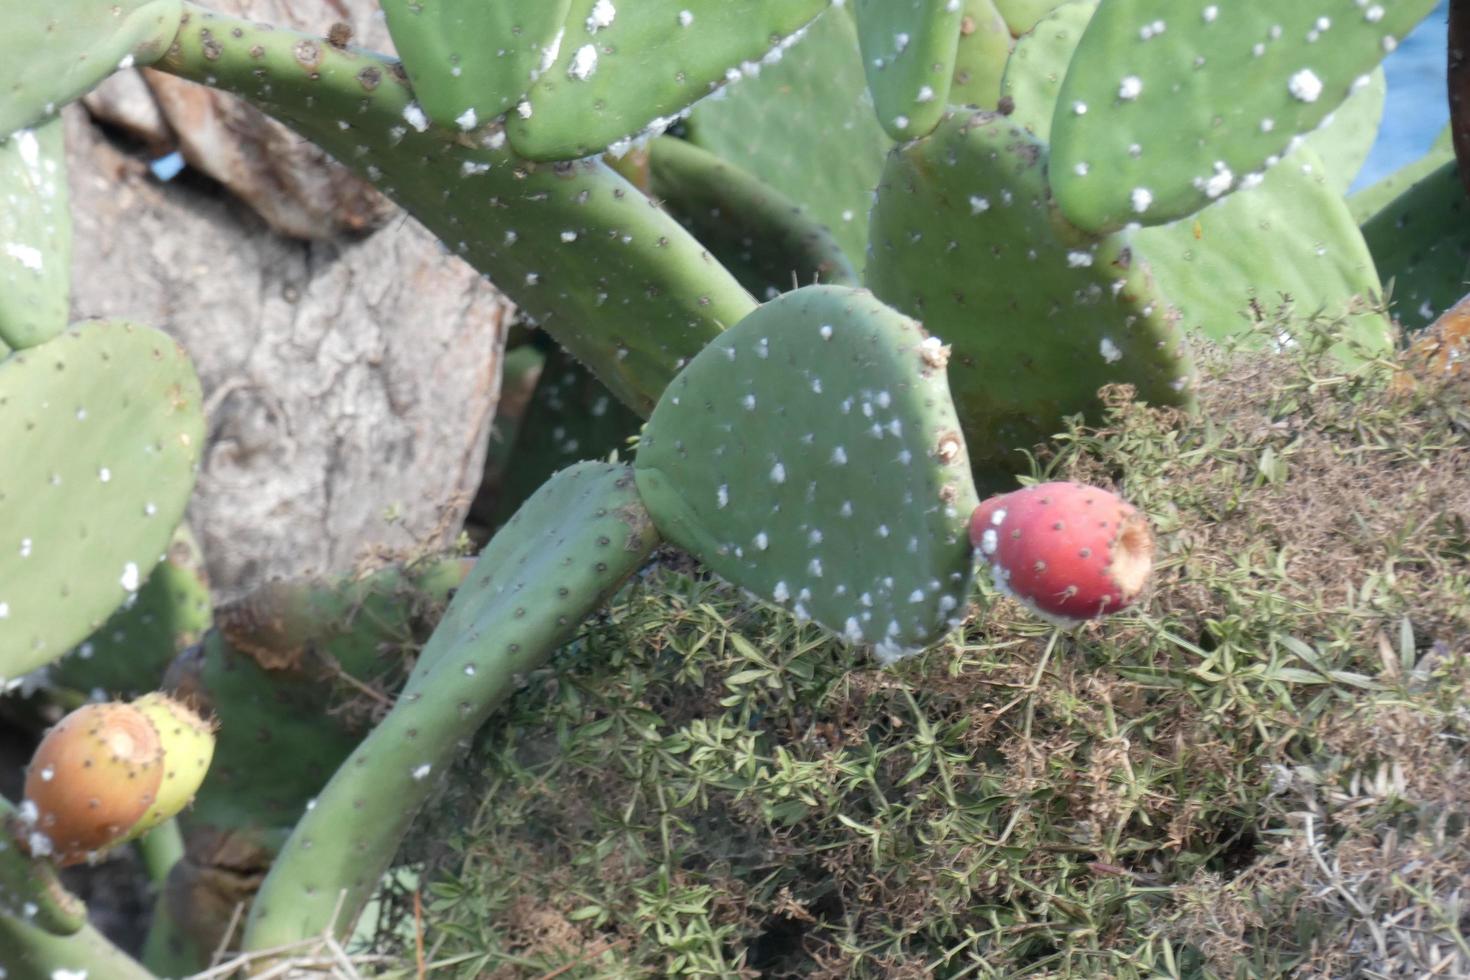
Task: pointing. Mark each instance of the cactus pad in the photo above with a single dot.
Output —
(1375, 197)
(1292, 235)
(1039, 315)
(1141, 135)
(469, 62)
(764, 238)
(628, 67)
(811, 454)
(29, 888)
(1421, 245)
(1034, 73)
(806, 127)
(909, 53)
(35, 237)
(84, 528)
(556, 561)
(1022, 15)
(980, 60)
(53, 53)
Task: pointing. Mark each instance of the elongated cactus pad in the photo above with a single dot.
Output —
(980, 59)
(1167, 107)
(29, 888)
(805, 125)
(558, 559)
(30, 953)
(909, 53)
(764, 238)
(1039, 315)
(100, 431)
(1034, 73)
(618, 283)
(1421, 243)
(55, 52)
(129, 654)
(626, 67)
(1292, 235)
(35, 237)
(469, 62)
(812, 455)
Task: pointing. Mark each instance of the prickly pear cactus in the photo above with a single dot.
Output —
(806, 127)
(764, 238)
(1140, 135)
(57, 52)
(811, 455)
(29, 888)
(626, 68)
(909, 52)
(35, 237)
(129, 654)
(1039, 315)
(469, 62)
(1420, 243)
(1292, 235)
(1375, 197)
(618, 283)
(980, 59)
(84, 527)
(1034, 73)
(558, 559)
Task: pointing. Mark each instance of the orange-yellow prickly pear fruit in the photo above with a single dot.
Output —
(94, 775)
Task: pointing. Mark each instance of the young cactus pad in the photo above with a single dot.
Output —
(980, 60)
(82, 528)
(909, 52)
(1141, 135)
(569, 548)
(29, 887)
(633, 65)
(811, 454)
(469, 62)
(1039, 316)
(35, 237)
(56, 52)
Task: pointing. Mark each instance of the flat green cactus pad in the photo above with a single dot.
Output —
(768, 241)
(624, 68)
(980, 59)
(805, 125)
(1421, 243)
(128, 656)
(1022, 15)
(1166, 108)
(35, 237)
(1039, 315)
(469, 62)
(1375, 197)
(909, 53)
(572, 544)
(1345, 138)
(1290, 236)
(101, 429)
(55, 52)
(1034, 73)
(811, 454)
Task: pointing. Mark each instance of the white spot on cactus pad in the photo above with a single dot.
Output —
(926, 94)
(130, 577)
(826, 331)
(722, 496)
(1210, 13)
(1305, 86)
(1373, 14)
(778, 473)
(422, 771)
(839, 456)
(1142, 198)
(104, 474)
(415, 117)
(25, 547)
(761, 541)
(602, 16)
(466, 120)
(900, 122)
(1217, 183)
(1130, 87)
(584, 63)
(1149, 31)
(1079, 108)
(685, 18)
(1109, 350)
(1079, 259)
(26, 255)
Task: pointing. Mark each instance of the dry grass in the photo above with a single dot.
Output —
(1262, 773)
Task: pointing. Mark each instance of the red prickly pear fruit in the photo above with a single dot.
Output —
(94, 775)
(1068, 551)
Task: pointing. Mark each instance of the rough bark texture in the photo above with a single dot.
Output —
(344, 378)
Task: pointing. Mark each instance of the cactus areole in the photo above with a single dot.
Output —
(1068, 551)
